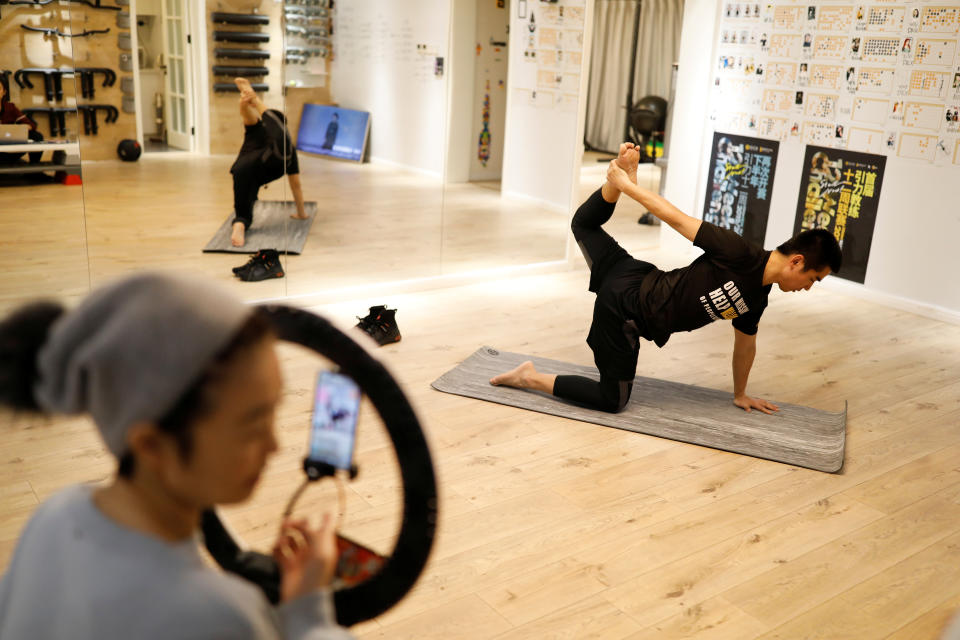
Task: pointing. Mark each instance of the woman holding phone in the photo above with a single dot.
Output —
(182, 382)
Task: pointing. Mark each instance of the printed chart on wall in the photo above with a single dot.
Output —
(548, 76)
(738, 189)
(839, 192)
(879, 77)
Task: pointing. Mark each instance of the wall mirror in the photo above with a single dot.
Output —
(419, 154)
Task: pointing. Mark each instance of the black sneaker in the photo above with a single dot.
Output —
(238, 271)
(367, 321)
(267, 265)
(383, 327)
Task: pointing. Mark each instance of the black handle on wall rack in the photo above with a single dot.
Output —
(230, 87)
(57, 117)
(241, 54)
(245, 72)
(109, 75)
(240, 36)
(87, 87)
(95, 4)
(52, 80)
(89, 111)
(222, 17)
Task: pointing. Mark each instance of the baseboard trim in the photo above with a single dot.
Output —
(917, 307)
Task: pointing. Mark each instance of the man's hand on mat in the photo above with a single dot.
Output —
(307, 557)
(747, 403)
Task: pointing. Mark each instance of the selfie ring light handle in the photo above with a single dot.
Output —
(418, 527)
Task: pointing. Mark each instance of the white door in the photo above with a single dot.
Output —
(178, 104)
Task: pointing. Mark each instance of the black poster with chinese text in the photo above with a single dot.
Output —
(740, 183)
(839, 192)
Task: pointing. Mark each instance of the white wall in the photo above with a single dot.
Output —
(542, 144)
(918, 219)
(689, 139)
(377, 67)
(462, 70)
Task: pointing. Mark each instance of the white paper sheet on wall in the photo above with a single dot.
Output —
(552, 45)
(881, 76)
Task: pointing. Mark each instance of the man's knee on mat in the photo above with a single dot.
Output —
(615, 395)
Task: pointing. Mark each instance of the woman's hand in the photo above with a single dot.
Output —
(307, 557)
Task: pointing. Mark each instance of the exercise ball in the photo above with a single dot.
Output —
(128, 150)
(649, 114)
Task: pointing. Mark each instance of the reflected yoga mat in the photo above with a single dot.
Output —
(272, 228)
(795, 435)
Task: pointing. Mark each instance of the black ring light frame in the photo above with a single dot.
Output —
(418, 527)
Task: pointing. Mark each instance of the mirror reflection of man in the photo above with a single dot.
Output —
(256, 165)
(331, 136)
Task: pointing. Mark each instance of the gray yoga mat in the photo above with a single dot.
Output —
(272, 228)
(795, 435)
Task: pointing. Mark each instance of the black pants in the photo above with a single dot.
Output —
(249, 174)
(35, 156)
(601, 252)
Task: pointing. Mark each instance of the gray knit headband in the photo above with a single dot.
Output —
(130, 350)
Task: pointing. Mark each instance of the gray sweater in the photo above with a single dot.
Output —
(78, 574)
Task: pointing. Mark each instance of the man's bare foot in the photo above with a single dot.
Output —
(243, 84)
(628, 159)
(520, 378)
(238, 237)
(297, 216)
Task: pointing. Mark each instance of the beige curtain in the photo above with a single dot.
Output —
(658, 46)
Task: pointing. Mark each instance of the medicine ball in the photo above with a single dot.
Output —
(128, 150)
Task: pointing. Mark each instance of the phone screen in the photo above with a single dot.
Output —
(333, 428)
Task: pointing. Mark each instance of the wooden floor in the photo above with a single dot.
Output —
(552, 528)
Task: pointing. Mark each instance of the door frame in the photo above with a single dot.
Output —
(195, 21)
(186, 140)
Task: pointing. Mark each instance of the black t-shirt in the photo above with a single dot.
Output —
(257, 138)
(725, 283)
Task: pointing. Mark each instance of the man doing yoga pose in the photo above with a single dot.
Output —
(255, 165)
(635, 299)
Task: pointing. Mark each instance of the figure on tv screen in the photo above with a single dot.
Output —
(331, 136)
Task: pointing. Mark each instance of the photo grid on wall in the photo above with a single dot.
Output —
(879, 77)
(548, 76)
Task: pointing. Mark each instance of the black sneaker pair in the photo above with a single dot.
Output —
(262, 265)
(381, 325)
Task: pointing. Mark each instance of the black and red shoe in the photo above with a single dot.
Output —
(381, 325)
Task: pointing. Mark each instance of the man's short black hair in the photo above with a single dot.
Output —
(818, 247)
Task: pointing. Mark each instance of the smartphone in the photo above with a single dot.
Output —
(333, 428)
(355, 563)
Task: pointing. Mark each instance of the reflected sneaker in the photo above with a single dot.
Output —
(382, 327)
(266, 264)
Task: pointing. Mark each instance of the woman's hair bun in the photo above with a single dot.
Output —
(22, 334)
